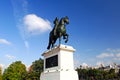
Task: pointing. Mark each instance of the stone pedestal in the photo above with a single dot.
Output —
(58, 64)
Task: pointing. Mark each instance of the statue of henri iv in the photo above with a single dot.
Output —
(58, 31)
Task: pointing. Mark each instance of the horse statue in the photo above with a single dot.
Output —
(58, 31)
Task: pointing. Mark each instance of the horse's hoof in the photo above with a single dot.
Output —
(66, 41)
(48, 47)
(64, 37)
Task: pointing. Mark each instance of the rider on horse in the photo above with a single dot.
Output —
(58, 31)
(56, 22)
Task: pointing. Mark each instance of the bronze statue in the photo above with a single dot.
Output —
(58, 31)
(56, 22)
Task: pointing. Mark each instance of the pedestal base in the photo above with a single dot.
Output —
(58, 64)
(59, 75)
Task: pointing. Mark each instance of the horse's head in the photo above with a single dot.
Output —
(66, 20)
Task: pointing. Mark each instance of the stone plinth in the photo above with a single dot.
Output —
(58, 64)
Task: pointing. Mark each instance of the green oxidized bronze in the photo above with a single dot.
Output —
(58, 31)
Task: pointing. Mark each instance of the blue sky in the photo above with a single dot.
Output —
(94, 29)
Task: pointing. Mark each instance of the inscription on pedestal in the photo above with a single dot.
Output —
(51, 61)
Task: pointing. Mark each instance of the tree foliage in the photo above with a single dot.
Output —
(35, 70)
(96, 74)
(16, 71)
(0, 73)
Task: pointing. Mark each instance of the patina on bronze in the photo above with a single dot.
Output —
(58, 31)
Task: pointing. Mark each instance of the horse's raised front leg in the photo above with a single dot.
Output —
(66, 37)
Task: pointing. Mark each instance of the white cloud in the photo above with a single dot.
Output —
(113, 50)
(109, 55)
(35, 25)
(26, 44)
(105, 55)
(9, 56)
(116, 58)
(4, 41)
(118, 55)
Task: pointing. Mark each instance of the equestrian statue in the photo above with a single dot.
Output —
(58, 31)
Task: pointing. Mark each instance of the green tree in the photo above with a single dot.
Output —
(119, 74)
(82, 73)
(111, 71)
(16, 71)
(97, 74)
(35, 70)
(0, 73)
